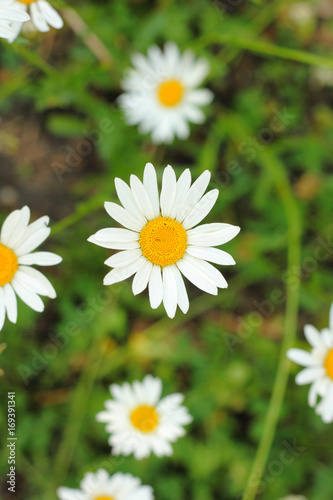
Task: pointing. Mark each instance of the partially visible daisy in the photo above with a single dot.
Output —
(161, 240)
(10, 13)
(18, 240)
(318, 369)
(161, 94)
(140, 422)
(43, 15)
(102, 486)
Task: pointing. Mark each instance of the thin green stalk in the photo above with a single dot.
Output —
(273, 165)
(82, 209)
(34, 59)
(239, 132)
(265, 49)
(76, 416)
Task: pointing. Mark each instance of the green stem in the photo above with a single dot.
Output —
(265, 49)
(34, 59)
(239, 132)
(273, 165)
(82, 209)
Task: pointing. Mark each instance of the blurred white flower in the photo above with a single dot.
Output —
(301, 13)
(161, 241)
(318, 369)
(10, 13)
(140, 422)
(322, 76)
(18, 239)
(161, 94)
(43, 15)
(294, 497)
(102, 486)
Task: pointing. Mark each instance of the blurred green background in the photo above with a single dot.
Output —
(268, 141)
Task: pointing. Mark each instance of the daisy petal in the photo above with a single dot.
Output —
(125, 196)
(211, 272)
(300, 357)
(141, 279)
(38, 18)
(28, 296)
(182, 296)
(50, 15)
(121, 273)
(36, 276)
(10, 302)
(141, 197)
(150, 183)
(168, 192)
(312, 335)
(212, 234)
(201, 209)
(169, 292)
(155, 287)
(122, 216)
(308, 375)
(193, 195)
(125, 258)
(214, 255)
(195, 276)
(183, 186)
(40, 259)
(2, 308)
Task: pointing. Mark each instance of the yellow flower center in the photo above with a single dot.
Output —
(170, 93)
(163, 241)
(8, 265)
(27, 2)
(144, 418)
(104, 497)
(329, 364)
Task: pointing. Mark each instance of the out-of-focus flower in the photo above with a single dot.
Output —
(318, 369)
(10, 13)
(162, 94)
(161, 241)
(102, 486)
(43, 15)
(293, 497)
(301, 13)
(18, 239)
(140, 422)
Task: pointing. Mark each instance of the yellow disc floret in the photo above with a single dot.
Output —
(170, 93)
(104, 497)
(8, 265)
(27, 2)
(329, 364)
(144, 418)
(163, 241)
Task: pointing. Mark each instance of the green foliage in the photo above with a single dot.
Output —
(63, 139)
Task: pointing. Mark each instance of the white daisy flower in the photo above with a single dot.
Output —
(140, 422)
(18, 239)
(9, 13)
(43, 15)
(161, 241)
(318, 369)
(161, 94)
(102, 486)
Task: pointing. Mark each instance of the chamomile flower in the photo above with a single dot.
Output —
(43, 15)
(102, 486)
(140, 422)
(161, 94)
(161, 242)
(318, 369)
(18, 240)
(10, 13)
